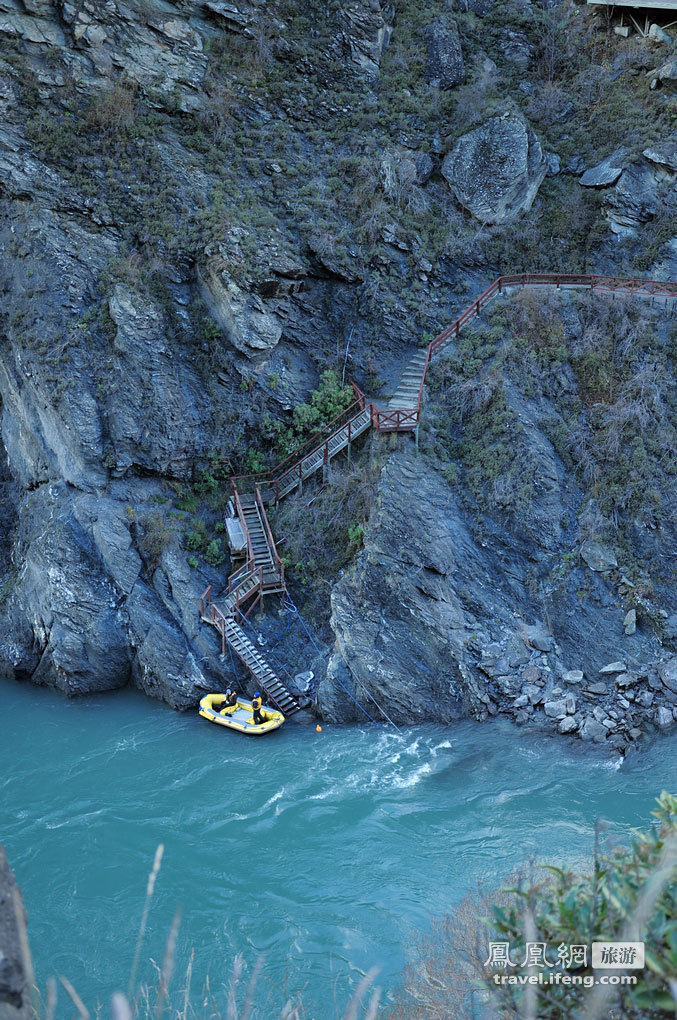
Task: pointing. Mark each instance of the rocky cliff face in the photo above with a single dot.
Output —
(203, 205)
(112, 385)
(519, 564)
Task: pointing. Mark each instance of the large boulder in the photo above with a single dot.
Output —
(598, 556)
(496, 170)
(605, 173)
(634, 200)
(665, 75)
(444, 66)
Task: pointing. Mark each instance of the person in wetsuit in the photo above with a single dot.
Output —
(227, 702)
(256, 709)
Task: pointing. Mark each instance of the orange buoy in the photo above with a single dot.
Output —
(318, 728)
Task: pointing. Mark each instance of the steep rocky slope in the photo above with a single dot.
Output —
(524, 561)
(204, 205)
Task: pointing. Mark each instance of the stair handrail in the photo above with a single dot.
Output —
(240, 514)
(246, 570)
(205, 599)
(258, 587)
(269, 535)
(666, 288)
(314, 442)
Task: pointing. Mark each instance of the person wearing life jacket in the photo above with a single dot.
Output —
(231, 698)
(256, 709)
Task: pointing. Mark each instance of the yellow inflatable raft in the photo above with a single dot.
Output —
(239, 717)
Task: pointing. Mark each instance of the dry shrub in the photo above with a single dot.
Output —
(447, 977)
(113, 112)
(217, 113)
(469, 396)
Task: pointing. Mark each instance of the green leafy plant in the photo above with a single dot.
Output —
(214, 553)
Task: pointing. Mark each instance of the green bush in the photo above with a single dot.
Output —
(153, 537)
(194, 540)
(214, 553)
(326, 403)
(356, 535)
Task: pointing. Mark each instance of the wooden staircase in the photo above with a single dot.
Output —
(406, 394)
(252, 516)
(264, 571)
(279, 485)
(259, 668)
(224, 620)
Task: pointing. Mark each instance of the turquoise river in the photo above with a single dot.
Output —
(321, 854)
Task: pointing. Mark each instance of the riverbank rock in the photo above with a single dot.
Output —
(496, 170)
(15, 1001)
(422, 619)
(668, 674)
(664, 718)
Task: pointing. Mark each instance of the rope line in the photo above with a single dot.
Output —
(382, 710)
(232, 660)
(342, 685)
(273, 661)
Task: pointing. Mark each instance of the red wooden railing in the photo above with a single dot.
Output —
(388, 419)
(271, 541)
(214, 614)
(407, 419)
(319, 439)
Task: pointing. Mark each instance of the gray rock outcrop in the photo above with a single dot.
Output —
(665, 75)
(496, 170)
(605, 173)
(365, 33)
(444, 65)
(663, 156)
(634, 200)
(423, 620)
